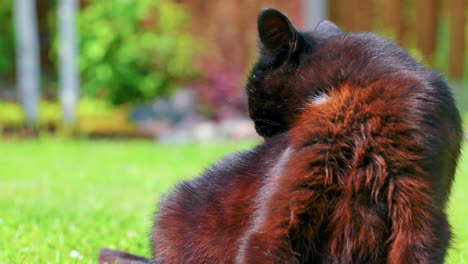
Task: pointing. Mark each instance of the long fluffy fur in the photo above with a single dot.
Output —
(362, 148)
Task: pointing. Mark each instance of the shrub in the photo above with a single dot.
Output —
(11, 114)
(50, 114)
(7, 42)
(133, 51)
(95, 117)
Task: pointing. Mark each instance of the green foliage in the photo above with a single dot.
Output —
(50, 113)
(101, 118)
(133, 51)
(7, 42)
(11, 114)
(94, 117)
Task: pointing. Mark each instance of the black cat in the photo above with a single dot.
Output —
(361, 148)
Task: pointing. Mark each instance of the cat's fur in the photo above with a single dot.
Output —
(362, 146)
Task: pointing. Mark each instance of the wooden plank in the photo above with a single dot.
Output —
(352, 15)
(349, 18)
(364, 15)
(426, 24)
(457, 23)
(393, 18)
(335, 12)
(296, 13)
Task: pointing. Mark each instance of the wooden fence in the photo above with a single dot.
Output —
(436, 29)
(228, 27)
(412, 23)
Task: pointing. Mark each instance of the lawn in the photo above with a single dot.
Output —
(60, 201)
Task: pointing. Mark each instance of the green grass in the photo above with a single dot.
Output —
(458, 212)
(60, 199)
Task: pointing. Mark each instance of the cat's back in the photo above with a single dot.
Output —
(202, 220)
(381, 111)
(371, 130)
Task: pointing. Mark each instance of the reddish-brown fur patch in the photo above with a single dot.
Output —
(361, 176)
(356, 189)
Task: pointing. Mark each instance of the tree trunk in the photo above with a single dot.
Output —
(27, 57)
(314, 12)
(68, 75)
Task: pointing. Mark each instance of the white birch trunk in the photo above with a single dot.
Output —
(68, 75)
(315, 11)
(27, 57)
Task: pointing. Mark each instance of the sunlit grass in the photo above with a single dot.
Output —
(60, 201)
(458, 213)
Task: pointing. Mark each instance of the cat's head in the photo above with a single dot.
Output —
(275, 89)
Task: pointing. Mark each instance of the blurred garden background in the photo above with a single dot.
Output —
(105, 104)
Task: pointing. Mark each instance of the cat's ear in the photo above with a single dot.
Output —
(327, 29)
(275, 31)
